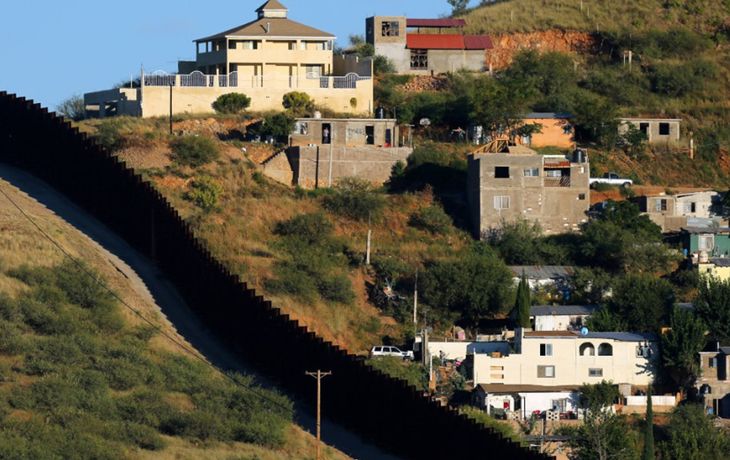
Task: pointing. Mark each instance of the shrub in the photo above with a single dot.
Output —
(231, 103)
(312, 228)
(354, 198)
(205, 193)
(194, 151)
(337, 288)
(432, 219)
(278, 126)
(298, 103)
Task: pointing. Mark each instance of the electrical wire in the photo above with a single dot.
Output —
(158, 328)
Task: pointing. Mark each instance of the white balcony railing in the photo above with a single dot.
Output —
(198, 79)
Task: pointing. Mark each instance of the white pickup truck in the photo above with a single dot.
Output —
(611, 179)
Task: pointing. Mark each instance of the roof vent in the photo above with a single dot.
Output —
(268, 27)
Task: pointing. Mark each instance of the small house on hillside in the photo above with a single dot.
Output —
(543, 276)
(708, 241)
(657, 130)
(672, 212)
(556, 130)
(521, 401)
(714, 381)
(560, 317)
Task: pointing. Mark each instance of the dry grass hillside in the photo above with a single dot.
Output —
(29, 418)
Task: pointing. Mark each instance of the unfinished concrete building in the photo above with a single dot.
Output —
(657, 130)
(515, 182)
(673, 212)
(324, 150)
(427, 46)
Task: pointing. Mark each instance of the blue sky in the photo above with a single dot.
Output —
(53, 49)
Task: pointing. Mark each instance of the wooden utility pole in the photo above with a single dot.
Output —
(415, 304)
(367, 248)
(319, 375)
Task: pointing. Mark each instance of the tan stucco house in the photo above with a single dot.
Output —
(264, 59)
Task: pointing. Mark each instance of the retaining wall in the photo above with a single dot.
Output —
(381, 409)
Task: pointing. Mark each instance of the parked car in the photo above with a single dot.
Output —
(385, 350)
(611, 179)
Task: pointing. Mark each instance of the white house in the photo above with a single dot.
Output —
(560, 317)
(543, 276)
(525, 400)
(565, 358)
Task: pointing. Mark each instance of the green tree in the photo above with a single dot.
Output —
(194, 151)
(298, 103)
(681, 347)
(458, 6)
(475, 284)
(521, 310)
(634, 140)
(691, 435)
(713, 306)
(598, 395)
(648, 452)
(354, 198)
(231, 103)
(602, 436)
(278, 126)
(604, 320)
(642, 301)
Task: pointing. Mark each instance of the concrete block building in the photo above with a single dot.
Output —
(714, 381)
(673, 212)
(264, 59)
(657, 130)
(518, 183)
(427, 46)
(324, 150)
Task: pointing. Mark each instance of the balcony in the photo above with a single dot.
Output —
(562, 181)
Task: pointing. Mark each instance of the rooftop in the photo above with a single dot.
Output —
(568, 310)
(435, 23)
(720, 261)
(541, 272)
(617, 336)
(713, 230)
(502, 388)
(543, 115)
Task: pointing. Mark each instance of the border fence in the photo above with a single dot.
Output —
(381, 409)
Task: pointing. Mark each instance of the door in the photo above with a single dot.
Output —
(326, 133)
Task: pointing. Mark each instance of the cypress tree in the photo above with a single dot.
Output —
(521, 311)
(648, 453)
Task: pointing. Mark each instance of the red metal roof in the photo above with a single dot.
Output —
(435, 41)
(478, 42)
(435, 22)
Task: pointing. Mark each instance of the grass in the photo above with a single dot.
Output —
(81, 377)
(594, 15)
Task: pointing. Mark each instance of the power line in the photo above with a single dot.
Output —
(157, 327)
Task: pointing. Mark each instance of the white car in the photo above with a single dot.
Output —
(385, 350)
(611, 179)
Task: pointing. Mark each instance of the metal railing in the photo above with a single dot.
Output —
(198, 79)
(563, 181)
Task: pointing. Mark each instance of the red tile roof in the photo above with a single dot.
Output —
(435, 42)
(435, 22)
(478, 42)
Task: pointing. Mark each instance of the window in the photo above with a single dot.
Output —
(313, 71)
(546, 349)
(369, 135)
(531, 172)
(664, 129)
(587, 349)
(390, 29)
(501, 202)
(568, 129)
(232, 45)
(660, 205)
(706, 242)
(553, 173)
(581, 196)
(419, 59)
(644, 128)
(713, 362)
(643, 351)
(595, 372)
(605, 349)
(546, 372)
(326, 133)
(689, 208)
(501, 172)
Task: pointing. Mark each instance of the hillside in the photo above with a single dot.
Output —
(709, 16)
(82, 376)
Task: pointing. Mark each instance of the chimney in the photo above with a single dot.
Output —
(268, 27)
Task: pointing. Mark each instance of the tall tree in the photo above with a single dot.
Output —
(681, 346)
(691, 435)
(521, 310)
(642, 301)
(458, 6)
(648, 453)
(713, 306)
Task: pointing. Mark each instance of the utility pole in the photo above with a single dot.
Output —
(415, 304)
(319, 375)
(171, 85)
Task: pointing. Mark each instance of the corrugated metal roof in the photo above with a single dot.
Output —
(621, 336)
(415, 22)
(435, 42)
(478, 42)
(543, 115)
(542, 272)
(560, 310)
(712, 230)
(506, 388)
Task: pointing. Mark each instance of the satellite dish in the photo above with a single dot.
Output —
(584, 331)
(425, 122)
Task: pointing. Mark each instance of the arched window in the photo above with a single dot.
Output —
(605, 349)
(587, 349)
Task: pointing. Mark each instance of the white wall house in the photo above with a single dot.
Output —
(560, 317)
(564, 358)
(524, 400)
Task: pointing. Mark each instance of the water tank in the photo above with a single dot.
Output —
(580, 156)
(380, 113)
(317, 114)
